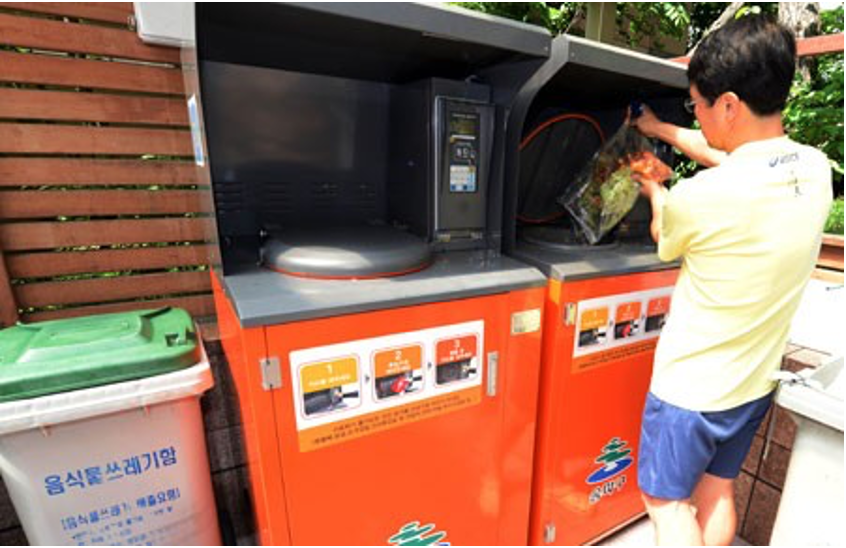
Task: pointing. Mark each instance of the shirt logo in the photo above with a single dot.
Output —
(785, 159)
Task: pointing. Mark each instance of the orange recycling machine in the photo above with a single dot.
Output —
(385, 354)
(605, 304)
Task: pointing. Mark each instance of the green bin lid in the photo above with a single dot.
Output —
(63, 355)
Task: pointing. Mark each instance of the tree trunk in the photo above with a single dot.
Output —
(803, 19)
(724, 18)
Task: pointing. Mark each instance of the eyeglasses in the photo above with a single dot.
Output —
(690, 105)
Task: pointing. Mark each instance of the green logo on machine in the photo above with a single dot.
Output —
(614, 459)
(413, 534)
(609, 478)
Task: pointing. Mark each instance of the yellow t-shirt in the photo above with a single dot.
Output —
(748, 232)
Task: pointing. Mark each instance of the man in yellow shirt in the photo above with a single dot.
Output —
(748, 232)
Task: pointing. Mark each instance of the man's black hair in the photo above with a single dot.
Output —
(754, 56)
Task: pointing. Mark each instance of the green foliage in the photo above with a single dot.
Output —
(653, 19)
(636, 19)
(814, 113)
(703, 15)
(747, 10)
(555, 16)
(834, 223)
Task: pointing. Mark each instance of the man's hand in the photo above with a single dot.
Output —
(691, 142)
(648, 123)
(650, 187)
(656, 192)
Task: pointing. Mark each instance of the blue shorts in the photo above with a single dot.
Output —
(677, 446)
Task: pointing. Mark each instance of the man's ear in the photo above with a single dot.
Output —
(731, 106)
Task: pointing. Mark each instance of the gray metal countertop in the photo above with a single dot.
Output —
(582, 264)
(264, 297)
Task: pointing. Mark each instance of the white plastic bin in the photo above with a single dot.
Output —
(101, 435)
(812, 503)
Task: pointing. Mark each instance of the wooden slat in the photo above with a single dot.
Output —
(805, 47)
(30, 236)
(199, 306)
(25, 68)
(826, 275)
(28, 104)
(209, 330)
(834, 240)
(819, 45)
(8, 306)
(111, 12)
(38, 204)
(74, 37)
(831, 257)
(43, 265)
(110, 289)
(67, 171)
(61, 139)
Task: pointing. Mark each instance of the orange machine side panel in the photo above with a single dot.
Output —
(585, 483)
(244, 348)
(453, 470)
(519, 379)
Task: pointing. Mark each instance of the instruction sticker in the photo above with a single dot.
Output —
(628, 321)
(398, 371)
(618, 327)
(456, 359)
(656, 313)
(593, 326)
(354, 389)
(330, 385)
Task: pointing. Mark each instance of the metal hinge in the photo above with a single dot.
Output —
(271, 374)
(549, 533)
(570, 314)
(493, 371)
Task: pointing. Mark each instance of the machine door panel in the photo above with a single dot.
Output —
(386, 430)
(605, 341)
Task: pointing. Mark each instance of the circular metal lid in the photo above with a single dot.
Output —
(551, 157)
(346, 252)
(559, 237)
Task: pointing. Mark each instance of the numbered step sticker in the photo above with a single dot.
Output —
(356, 388)
(329, 386)
(656, 313)
(593, 327)
(627, 322)
(614, 328)
(456, 359)
(398, 371)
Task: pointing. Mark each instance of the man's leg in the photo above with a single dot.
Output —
(674, 521)
(715, 512)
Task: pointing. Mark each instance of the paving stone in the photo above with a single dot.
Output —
(742, 495)
(226, 448)
(753, 459)
(784, 431)
(760, 517)
(220, 404)
(774, 467)
(13, 537)
(237, 524)
(8, 517)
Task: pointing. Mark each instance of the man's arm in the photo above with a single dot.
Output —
(657, 194)
(691, 142)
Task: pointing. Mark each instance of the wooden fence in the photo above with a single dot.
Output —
(98, 201)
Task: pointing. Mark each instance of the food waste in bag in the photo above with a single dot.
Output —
(607, 188)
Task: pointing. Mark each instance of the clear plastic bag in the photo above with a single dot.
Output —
(607, 188)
